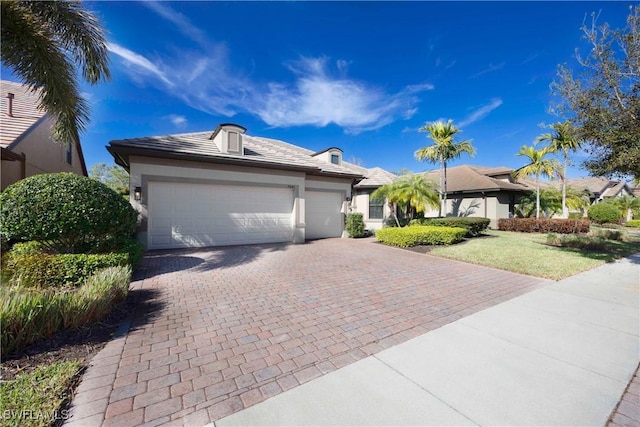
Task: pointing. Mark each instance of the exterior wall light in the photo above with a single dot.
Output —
(137, 194)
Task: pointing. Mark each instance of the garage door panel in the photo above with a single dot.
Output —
(323, 216)
(192, 215)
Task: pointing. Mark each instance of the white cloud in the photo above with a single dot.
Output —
(481, 112)
(140, 62)
(490, 69)
(177, 120)
(178, 19)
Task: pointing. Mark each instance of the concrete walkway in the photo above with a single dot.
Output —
(559, 355)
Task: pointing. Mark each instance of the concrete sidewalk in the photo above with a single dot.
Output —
(560, 355)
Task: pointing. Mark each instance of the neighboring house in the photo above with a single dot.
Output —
(599, 188)
(225, 187)
(374, 210)
(475, 191)
(25, 138)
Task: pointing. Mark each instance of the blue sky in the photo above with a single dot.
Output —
(357, 75)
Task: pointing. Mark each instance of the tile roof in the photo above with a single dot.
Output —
(375, 177)
(258, 151)
(25, 111)
(465, 178)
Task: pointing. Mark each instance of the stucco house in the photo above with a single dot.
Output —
(476, 191)
(374, 211)
(599, 188)
(225, 187)
(25, 138)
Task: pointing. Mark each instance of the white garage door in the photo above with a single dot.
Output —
(194, 215)
(323, 217)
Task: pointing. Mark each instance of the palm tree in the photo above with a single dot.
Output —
(562, 138)
(627, 204)
(42, 43)
(413, 193)
(537, 166)
(443, 150)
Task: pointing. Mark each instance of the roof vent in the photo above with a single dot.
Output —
(10, 97)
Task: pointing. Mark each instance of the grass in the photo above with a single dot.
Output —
(34, 398)
(527, 253)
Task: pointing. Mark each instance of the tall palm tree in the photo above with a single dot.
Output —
(414, 193)
(42, 43)
(562, 138)
(443, 150)
(537, 166)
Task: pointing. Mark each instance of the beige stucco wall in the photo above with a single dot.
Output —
(42, 155)
(493, 206)
(144, 170)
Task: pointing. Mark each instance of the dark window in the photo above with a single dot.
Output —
(68, 153)
(335, 159)
(376, 207)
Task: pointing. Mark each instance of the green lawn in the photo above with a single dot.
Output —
(527, 253)
(34, 398)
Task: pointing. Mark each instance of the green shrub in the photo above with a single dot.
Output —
(29, 265)
(420, 235)
(634, 223)
(66, 212)
(355, 225)
(604, 212)
(532, 225)
(575, 215)
(28, 315)
(590, 243)
(474, 226)
(607, 234)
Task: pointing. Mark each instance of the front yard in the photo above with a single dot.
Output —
(528, 253)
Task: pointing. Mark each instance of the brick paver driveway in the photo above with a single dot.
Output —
(222, 329)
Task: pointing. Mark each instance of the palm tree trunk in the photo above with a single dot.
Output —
(565, 210)
(537, 196)
(444, 191)
(440, 193)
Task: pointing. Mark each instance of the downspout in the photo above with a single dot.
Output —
(24, 165)
(484, 198)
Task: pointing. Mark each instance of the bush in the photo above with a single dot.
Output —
(355, 225)
(573, 241)
(66, 212)
(420, 235)
(575, 215)
(29, 265)
(532, 225)
(474, 226)
(604, 212)
(28, 315)
(634, 223)
(607, 234)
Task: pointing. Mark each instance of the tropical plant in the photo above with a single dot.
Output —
(538, 166)
(42, 43)
(562, 139)
(412, 193)
(443, 150)
(627, 204)
(551, 201)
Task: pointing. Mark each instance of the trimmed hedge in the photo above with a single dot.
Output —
(66, 212)
(635, 223)
(30, 265)
(589, 243)
(532, 225)
(474, 226)
(355, 225)
(420, 235)
(604, 212)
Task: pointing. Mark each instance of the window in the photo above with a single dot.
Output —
(335, 159)
(68, 153)
(234, 142)
(376, 208)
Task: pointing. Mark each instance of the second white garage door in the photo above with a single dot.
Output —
(194, 215)
(323, 217)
